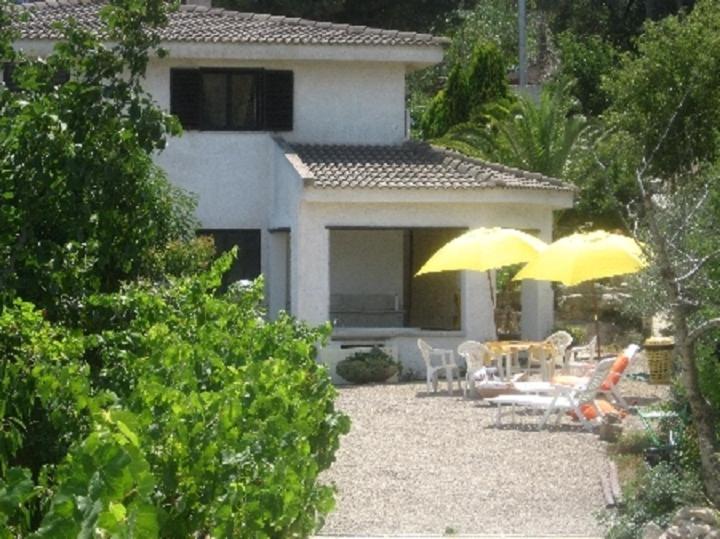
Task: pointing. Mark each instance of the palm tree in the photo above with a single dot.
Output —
(538, 136)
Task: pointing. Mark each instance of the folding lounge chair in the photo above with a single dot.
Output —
(563, 399)
(609, 387)
(447, 358)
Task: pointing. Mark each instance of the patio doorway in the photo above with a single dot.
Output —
(372, 283)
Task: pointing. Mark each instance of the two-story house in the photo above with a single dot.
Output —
(296, 144)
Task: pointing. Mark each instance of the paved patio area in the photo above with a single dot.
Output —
(424, 464)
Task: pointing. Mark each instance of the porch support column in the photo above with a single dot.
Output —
(536, 297)
(537, 310)
(477, 313)
(310, 270)
(276, 281)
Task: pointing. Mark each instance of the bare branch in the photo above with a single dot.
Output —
(698, 266)
(640, 174)
(702, 329)
(691, 214)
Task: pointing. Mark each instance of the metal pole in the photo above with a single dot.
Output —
(522, 44)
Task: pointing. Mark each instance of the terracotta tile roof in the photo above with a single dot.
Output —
(193, 23)
(412, 165)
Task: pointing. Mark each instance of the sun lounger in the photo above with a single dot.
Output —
(562, 399)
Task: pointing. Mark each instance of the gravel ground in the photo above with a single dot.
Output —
(434, 464)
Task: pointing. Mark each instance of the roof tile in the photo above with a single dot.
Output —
(193, 23)
(412, 165)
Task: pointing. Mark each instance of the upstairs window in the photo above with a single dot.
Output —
(232, 99)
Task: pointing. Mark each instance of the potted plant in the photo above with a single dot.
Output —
(368, 367)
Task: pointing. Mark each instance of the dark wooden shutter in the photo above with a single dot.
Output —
(186, 96)
(278, 100)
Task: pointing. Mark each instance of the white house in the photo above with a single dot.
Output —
(296, 144)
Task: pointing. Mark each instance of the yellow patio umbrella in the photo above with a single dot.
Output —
(483, 249)
(585, 257)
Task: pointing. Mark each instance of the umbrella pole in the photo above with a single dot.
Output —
(597, 321)
(492, 299)
(490, 287)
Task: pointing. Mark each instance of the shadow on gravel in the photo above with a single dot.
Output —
(439, 394)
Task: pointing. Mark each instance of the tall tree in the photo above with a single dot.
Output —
(83, 203)
(410, 15)
(469, 88)
(677, 61)
(618, 22)
(666, 101)
(536, 136)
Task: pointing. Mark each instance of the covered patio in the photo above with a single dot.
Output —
(367, 217)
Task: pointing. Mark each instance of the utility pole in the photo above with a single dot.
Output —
(522, 44)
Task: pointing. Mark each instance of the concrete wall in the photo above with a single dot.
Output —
(335, 102)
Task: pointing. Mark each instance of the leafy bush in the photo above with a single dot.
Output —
(181, 258)
(44, 389)
(577, 332)
(84, 204)
(653, 497)
(147, 409)
(194, 416)
(368, 367)
(633, 442)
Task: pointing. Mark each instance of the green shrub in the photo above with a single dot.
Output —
(577, 332)
(368, 367)
(653, 497)
(586, 60)
(181, 258)
(194, 416)
(633, 442)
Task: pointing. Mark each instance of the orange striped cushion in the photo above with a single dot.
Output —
(616, 371)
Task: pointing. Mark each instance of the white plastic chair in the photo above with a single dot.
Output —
(580, 358)
(477, 360)
(448, 365)
(560, 340)
(543, 354)
(563, 398)
(550, 354)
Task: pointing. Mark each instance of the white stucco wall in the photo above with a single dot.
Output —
(231, 173)
(335, 102)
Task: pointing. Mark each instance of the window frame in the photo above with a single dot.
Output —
(229, 72)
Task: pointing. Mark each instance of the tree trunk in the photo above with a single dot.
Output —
(702, 413)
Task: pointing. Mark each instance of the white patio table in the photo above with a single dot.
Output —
(508, 352)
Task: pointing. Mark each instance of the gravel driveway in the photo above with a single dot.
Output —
(434, 464)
